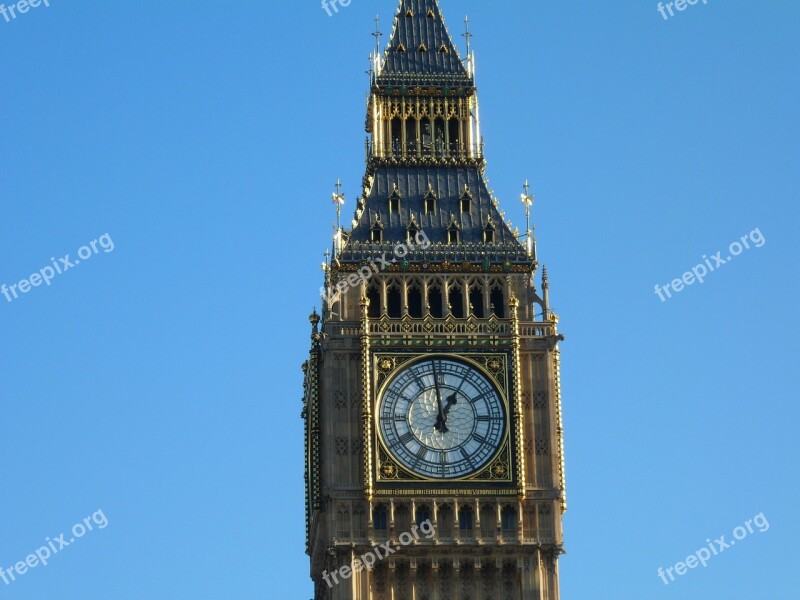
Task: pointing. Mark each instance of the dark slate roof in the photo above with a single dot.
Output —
(415, 65)
(448, 185)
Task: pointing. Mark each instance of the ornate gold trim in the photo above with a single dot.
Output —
(495, 367)
(366, 396)
(516, 389)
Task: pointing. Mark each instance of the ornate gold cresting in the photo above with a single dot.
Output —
(559, 419)
(366, 394)
(313, 409)
(513, 306)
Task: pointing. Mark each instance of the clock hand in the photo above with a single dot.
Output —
(451, 400)
(440, 418)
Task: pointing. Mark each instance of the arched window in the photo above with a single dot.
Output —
(397, 136)
(455, 136)
(497, 300)
(394, 302)
(444, 521)
(427, 136)
(508, 520)
(476, 302)
(488, 233)
(456, 300)
(439, 133)
(374, 297)
(465, 522)
(466, 200)
(394, 201)
(415, 301)
(430, 201)
(380, 520)
(342, 522)
(435, 302)
(411, 135)
(411, 231)
(402, 518)
(377, 230)
(488, 522)
(423, 514)
(359, 523)
(452, 235)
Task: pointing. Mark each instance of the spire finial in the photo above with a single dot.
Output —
(377, 35)
(338, 199)
(466, 33)
(527, 200)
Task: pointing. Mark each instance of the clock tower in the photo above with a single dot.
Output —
(432, 408)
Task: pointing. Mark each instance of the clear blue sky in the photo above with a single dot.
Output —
(161, 382)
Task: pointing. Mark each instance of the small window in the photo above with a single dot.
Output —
(488, 233)
(411, 233)
(452, 235)
(431, 14)
(379, 519)
(466, 200)
(409, 13)
(430, 205)
(377, 235)
(394, 201)
(422, 48)
(444, 49)
(423, 514)
(488, 523)
(509, 521)
(401, 48)
(465, 521)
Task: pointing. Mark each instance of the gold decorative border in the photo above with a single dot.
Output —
(495, 367)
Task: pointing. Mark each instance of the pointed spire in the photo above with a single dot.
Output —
(421, 50)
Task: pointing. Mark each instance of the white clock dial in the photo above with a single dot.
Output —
(441, 418)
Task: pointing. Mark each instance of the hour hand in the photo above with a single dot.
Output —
(441, 416)
(451, 400)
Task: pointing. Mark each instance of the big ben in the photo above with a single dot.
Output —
(431, 393)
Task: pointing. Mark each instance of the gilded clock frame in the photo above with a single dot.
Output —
(498, 470)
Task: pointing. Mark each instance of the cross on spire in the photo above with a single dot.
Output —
(466, 33)
(377, 35)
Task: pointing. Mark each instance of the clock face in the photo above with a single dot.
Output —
(441, 418)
